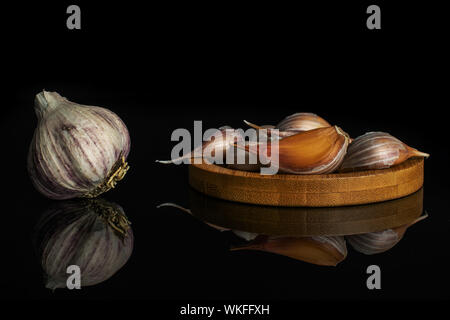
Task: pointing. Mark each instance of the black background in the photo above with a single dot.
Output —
(162, 67)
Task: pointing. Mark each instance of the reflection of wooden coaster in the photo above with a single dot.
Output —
(328, 190)
(303, 221)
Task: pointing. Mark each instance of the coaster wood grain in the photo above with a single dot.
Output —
(328, 190)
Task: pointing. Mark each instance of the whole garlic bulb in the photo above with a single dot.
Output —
(93, 234)
(302, 121)
(77, 150)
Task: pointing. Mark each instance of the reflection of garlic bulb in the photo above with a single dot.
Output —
(77, 150)
(92, 234)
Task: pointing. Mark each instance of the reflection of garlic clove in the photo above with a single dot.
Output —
(377, 150)
(381, 241)
(77, 150)
(320, 250)
(221, 146)
(317, 151)
(92, 234)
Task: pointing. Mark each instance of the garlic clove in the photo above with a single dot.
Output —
(317, 151)
(374, 242)
(222, 142)
(295, 123)
(381, 241)
(377, 150)
(255, 126)
(245, 235)
(93, 234)
(77, 150)
(320, 250)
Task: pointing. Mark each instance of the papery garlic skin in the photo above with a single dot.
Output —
(76, 148)
(75, 233)
(302, 121)
(377, 150)
(317, 151)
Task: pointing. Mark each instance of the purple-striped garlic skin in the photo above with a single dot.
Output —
(78, 232)
(75, 148)
(215, 146)
(377, 150)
